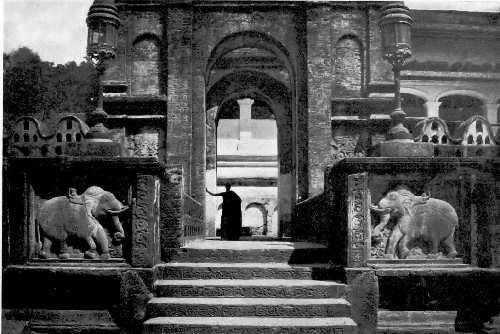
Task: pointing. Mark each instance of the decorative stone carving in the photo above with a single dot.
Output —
(79, 216)
(358, 220)
(432, 130)
(474, 131)
(32, 138)
(420, 225)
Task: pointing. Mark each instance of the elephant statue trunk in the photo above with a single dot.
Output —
(80, 216)
(120, 234)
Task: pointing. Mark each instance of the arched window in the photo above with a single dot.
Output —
(413, 105)
(348, 67)
(255, 218)
(145, 65)
(460, 107)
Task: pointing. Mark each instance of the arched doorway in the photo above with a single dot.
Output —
(250, 67)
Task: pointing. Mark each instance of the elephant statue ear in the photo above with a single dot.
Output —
(73, 197)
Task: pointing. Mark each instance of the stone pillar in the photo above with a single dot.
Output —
(432, 108)
(245, 117)
(211, 172)
(492, 112)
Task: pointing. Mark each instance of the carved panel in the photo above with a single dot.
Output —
(145, 222)
(358, 220)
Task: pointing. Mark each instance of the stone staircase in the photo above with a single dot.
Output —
(249, 287)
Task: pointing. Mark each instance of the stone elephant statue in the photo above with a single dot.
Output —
(79, 216)
(418, 218)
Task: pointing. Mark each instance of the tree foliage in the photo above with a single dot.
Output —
(42, 89)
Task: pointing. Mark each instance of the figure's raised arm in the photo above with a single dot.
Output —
(211, 193)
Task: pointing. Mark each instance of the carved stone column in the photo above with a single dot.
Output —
(432, 108)
(358, 215)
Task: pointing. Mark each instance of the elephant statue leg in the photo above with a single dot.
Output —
(63, 250)
(403, 247)
(435, 245)
(450, 245)
(46, 245)
(92, 252)
(102, 241)
(392, 243)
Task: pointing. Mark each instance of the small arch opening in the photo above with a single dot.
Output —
(434, 126)
(35, 138)
(435, 139)
(78, 137)
(16, 138)
(487, 140)
(68, 137)
(479, 140)
(26, 138)
(444, 140)
(470, 139)
(425, 138)
(59, 138)
(26, 125)
(69, 124)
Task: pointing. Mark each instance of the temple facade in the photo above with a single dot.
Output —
(289, 102)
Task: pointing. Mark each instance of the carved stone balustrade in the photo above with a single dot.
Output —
(469, 185)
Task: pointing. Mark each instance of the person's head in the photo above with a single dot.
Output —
(228, 186)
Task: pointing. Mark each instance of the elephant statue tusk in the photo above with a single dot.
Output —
(379, 210)
(116, 212)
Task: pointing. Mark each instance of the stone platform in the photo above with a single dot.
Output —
(267, 251)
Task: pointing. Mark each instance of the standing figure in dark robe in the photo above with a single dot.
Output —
(230, 225)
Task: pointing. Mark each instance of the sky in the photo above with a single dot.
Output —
(56, 29)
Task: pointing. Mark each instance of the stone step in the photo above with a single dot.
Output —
(216, 251)
(248, 307)
(416, 322)
(301, 256)
(258, 288)
(248, 325)
(186, 270)
(58, 321)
